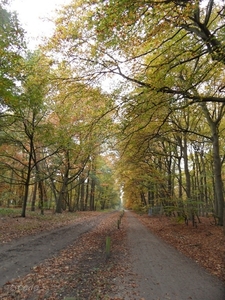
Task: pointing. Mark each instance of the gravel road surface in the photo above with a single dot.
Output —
(163, 273)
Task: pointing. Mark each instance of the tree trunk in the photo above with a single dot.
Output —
(34, 197)
(42, 196)
(186, 169)
(92, 195)
(218, 178)
(217, 164)
(27, 184)
(82, 193)
(87, 193)
(62, 193)
(205, 189)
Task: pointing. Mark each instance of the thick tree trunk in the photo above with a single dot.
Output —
(218, 178)
(62, 193)
(217, 164)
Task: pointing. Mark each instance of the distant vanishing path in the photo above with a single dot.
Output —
(163, 273)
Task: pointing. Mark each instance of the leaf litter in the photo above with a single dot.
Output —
(83, 271)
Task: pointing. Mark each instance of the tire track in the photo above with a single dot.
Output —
(18, 257)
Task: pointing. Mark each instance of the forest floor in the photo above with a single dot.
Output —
(82, 269)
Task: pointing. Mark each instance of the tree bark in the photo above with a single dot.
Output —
(34, 197)
(186, 169)
(217, 164)
(92, 195)
(27, 182)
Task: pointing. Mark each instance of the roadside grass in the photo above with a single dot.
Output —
(49, 215)
(8, 211)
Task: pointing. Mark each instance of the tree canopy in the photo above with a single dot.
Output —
(136, 85)
(12, 46)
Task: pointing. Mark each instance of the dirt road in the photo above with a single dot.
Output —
(141, 266)
(164, 273)
(18, 257)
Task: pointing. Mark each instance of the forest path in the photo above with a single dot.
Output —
(18, 257)
(164, 273)
(71, 262)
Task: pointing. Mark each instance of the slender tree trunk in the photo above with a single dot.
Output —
(26, 192)
(87, 194)
(190, 211)
(92, 195)
(82, 193)
(204, 180)
(143, 199)
(78, 197)
(41, 196)
(34, 197)
(179, 159)
(180, 181)
(10, 189)
(186, 169)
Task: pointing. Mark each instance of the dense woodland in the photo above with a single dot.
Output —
(126, 101)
